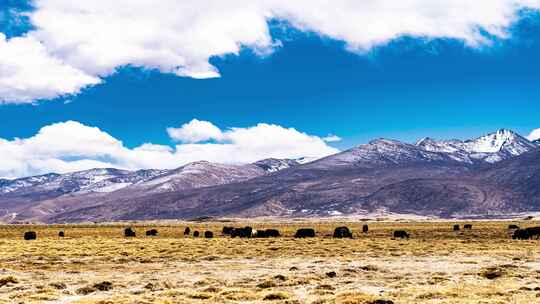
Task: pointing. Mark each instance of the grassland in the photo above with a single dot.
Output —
(96, 264)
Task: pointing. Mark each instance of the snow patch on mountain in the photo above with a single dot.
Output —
(273, 164)
(380, 152)
(93, 180)
(305, 160)
(199, 174)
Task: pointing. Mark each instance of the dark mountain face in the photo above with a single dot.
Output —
(509, 186)
(495, 174)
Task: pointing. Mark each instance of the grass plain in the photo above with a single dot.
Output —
(96, 264)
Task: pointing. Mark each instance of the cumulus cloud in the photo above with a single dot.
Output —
(535, 134)
(72, 146)
(28, 72)
(91, 39)
(195, 131)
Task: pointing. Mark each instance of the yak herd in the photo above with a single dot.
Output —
(339, 232)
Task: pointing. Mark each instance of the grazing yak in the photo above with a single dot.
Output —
(30, 235)
(401, 234)
(365, 229)
(272, 233)
(305, 233)
(128, 232)
(467, 226)
(266, 233)
(227, 230)
(511, 227)
(152, 232)
(195, 233)
(342, 232)
(533, 231)
(527, 233)
(520, 234)
(246, 232)
(187, 231)
(61, 234)
(456, 227)
(208, 234)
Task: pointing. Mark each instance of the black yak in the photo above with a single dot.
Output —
(456, 227)
(30, 235)
(520, 234)
(61, 234)
(511, 227)
(272, 233)
(227, 230)
(245, 232)
(342, 232)
(305, 233)
(527, 233)
(401, 234)
(467, 226)
(266, 233)
(208, 234)
(152, 232)
(260, 233)
(195, 233)
(365, 229)
(533, 231)
(187, 231)
(128, 232)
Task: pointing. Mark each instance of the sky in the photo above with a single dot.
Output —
(135, 84)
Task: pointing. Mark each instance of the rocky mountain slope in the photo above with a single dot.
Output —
(494, 174)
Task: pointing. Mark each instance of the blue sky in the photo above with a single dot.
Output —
(405, 88)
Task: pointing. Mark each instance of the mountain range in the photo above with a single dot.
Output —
(494, 175)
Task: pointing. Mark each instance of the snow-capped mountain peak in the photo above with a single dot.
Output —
(490, 148)
(497, 141)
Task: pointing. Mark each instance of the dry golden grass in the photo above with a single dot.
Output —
(96, 264)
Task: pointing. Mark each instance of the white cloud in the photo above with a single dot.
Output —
(28, 72)
(72, 146)
(364, 24)
(332, 138)
(535, 134)
(83, 38)
(195, 131)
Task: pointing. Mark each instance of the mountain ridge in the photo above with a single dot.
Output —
(439, 178)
